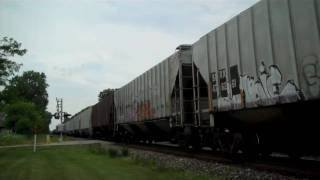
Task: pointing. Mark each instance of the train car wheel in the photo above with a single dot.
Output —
(251, 145)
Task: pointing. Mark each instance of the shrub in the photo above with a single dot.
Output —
(124, 151)
(110, 151)
(113, 152)
(23, 117)
(7, 138)
(96, 149)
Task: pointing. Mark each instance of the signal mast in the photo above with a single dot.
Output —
(61, 115)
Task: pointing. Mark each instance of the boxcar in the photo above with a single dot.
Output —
(103, 118)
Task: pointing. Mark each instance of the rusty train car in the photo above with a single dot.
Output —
(95, 121)
(102, 118)
(252, 86)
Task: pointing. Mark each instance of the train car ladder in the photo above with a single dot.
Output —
(178, 121)
(184, 96)
(196, 96)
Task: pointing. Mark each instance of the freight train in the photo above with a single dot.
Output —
(250, 86)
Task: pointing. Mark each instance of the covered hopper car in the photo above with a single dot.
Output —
(80, 124)
(250, 86)
(261, 72)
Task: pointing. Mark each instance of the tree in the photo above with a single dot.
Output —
(24, 117)
(31, 86)
(47, 116)
(8, 49)
(104, 93)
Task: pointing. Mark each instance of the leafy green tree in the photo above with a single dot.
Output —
(31, 86)
(1, 119)
(47, 116)
(8, 49)
(24, 117)
(25, 97)
(104, 93)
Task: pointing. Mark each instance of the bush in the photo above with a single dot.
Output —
(96, 149)
(23, 117)
(7, 138)
(124, 151)
(113, 152)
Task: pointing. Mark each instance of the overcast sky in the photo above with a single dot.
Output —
(85, 46)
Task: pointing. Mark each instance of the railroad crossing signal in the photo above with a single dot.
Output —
(60, 114)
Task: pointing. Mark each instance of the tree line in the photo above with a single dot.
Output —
(24, 98)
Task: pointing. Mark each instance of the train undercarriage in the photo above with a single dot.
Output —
(294, 132)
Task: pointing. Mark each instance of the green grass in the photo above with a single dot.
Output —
(16, 139)
(78, 163)
(12, 139)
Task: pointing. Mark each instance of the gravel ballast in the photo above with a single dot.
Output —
(201, 167)
(204, 168)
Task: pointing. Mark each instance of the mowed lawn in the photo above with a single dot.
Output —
(78, 163)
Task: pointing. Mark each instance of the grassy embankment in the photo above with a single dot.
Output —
(16, 139)
(79, 163)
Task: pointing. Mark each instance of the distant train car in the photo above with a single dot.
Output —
(67, 127)
(85, 122)
(80, 123)
(103, 117)
(59, 129)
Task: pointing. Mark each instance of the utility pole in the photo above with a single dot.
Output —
(60, 114)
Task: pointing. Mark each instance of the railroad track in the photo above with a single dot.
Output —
(282, 165)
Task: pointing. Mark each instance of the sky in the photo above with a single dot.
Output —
(85, 46)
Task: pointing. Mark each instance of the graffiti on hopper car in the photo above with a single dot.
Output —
(269, 88)
(144, 110)
(311, 74)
